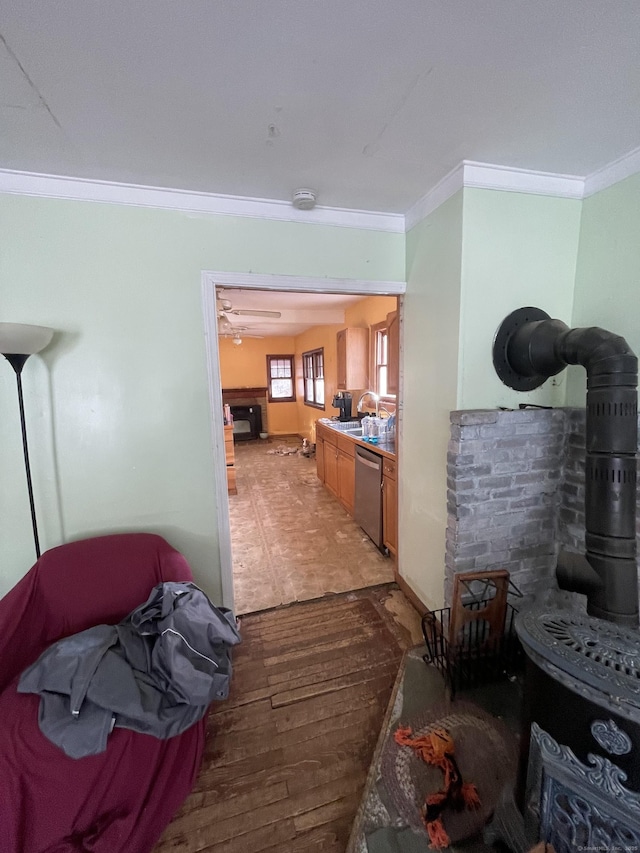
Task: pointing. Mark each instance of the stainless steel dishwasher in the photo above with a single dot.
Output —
(368, 498)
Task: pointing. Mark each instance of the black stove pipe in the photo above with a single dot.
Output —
(529, 348)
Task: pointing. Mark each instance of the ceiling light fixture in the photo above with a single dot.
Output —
(237, 340)
(304, 198)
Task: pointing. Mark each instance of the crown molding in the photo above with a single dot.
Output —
(107, 192)
(491, 177)
(443, 190)
(469, 173)
(488, 176)
(612, 173)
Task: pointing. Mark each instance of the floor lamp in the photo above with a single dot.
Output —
(17, 343)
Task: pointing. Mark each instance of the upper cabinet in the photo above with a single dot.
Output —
(353, 358)
(393, 342)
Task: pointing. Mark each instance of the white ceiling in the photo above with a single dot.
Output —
(299, 311)
(370, 102)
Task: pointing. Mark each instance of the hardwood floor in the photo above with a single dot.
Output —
(288, 752)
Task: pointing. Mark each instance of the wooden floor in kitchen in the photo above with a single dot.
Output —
(291, 539)
(288, 753)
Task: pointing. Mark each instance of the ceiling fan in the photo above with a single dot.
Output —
(227, 330)
(225, 306)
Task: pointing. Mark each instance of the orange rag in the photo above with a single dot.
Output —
(437, 748)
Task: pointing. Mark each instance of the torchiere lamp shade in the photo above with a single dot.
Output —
(23, 339)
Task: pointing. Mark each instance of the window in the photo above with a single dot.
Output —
(380, 342)
(313, 372)
(280, 379)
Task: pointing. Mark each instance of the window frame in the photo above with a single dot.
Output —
(292, 366)
(313, 355)
(374, 331)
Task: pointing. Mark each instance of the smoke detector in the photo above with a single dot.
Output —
(304, 199)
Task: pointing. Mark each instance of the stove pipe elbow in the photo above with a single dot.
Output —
(528, 349)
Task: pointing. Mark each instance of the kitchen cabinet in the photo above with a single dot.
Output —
(393, 355)
(346, 473)
(320, 454)
(352, 359)
(390, 506)
(230, 459)
(329, 454)
(331, 468)
(336, 467)
(335, 464)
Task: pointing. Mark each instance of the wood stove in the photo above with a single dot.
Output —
(579, 785)
(581, 732)
(247, 422)
(249, 409)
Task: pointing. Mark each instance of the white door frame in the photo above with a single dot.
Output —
(255, 281)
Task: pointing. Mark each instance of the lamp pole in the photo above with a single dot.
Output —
(17, 361)
(17, 342)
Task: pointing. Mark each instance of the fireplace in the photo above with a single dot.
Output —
(581, 732)
(249, 409)
(516, 497)
(579, 781)
(247, 422)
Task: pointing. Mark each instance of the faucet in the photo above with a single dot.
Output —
(374, 396)
(382, 408)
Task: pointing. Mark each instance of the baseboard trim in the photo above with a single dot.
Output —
(419, 605)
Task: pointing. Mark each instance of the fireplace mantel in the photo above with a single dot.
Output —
(244, 392)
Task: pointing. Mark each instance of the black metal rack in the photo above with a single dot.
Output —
(474, 659)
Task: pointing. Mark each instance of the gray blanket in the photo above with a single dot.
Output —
(155, 672)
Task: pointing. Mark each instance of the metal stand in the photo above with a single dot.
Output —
(17, 361)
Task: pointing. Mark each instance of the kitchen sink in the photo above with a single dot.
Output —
(356, 433)
(342, 426)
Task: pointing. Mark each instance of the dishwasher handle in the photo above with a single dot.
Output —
(371, 460)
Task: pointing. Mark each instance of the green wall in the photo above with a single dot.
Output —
(118, 407)
(607, 290)
(478, 257)
(518, 250)
(431, 342)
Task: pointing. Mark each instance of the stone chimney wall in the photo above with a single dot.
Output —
(504, 495)
(515, 493)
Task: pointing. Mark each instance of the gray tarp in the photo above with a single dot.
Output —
(155, 672)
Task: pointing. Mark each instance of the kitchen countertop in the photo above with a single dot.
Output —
(385, 448)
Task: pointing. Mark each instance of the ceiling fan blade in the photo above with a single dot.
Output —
(238, 335)
(224, 324)
(247, 312)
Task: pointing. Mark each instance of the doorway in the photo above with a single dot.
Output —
(284, 285)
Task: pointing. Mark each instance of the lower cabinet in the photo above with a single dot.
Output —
(336, 467)
(346, 473)
(320, 455)
(335, 464)
(331, 466)
(390, 506)
(230, 458)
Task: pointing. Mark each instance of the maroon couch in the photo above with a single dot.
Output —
(121, 800)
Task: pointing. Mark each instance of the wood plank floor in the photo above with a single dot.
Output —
(288, 753)
(292, 540)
